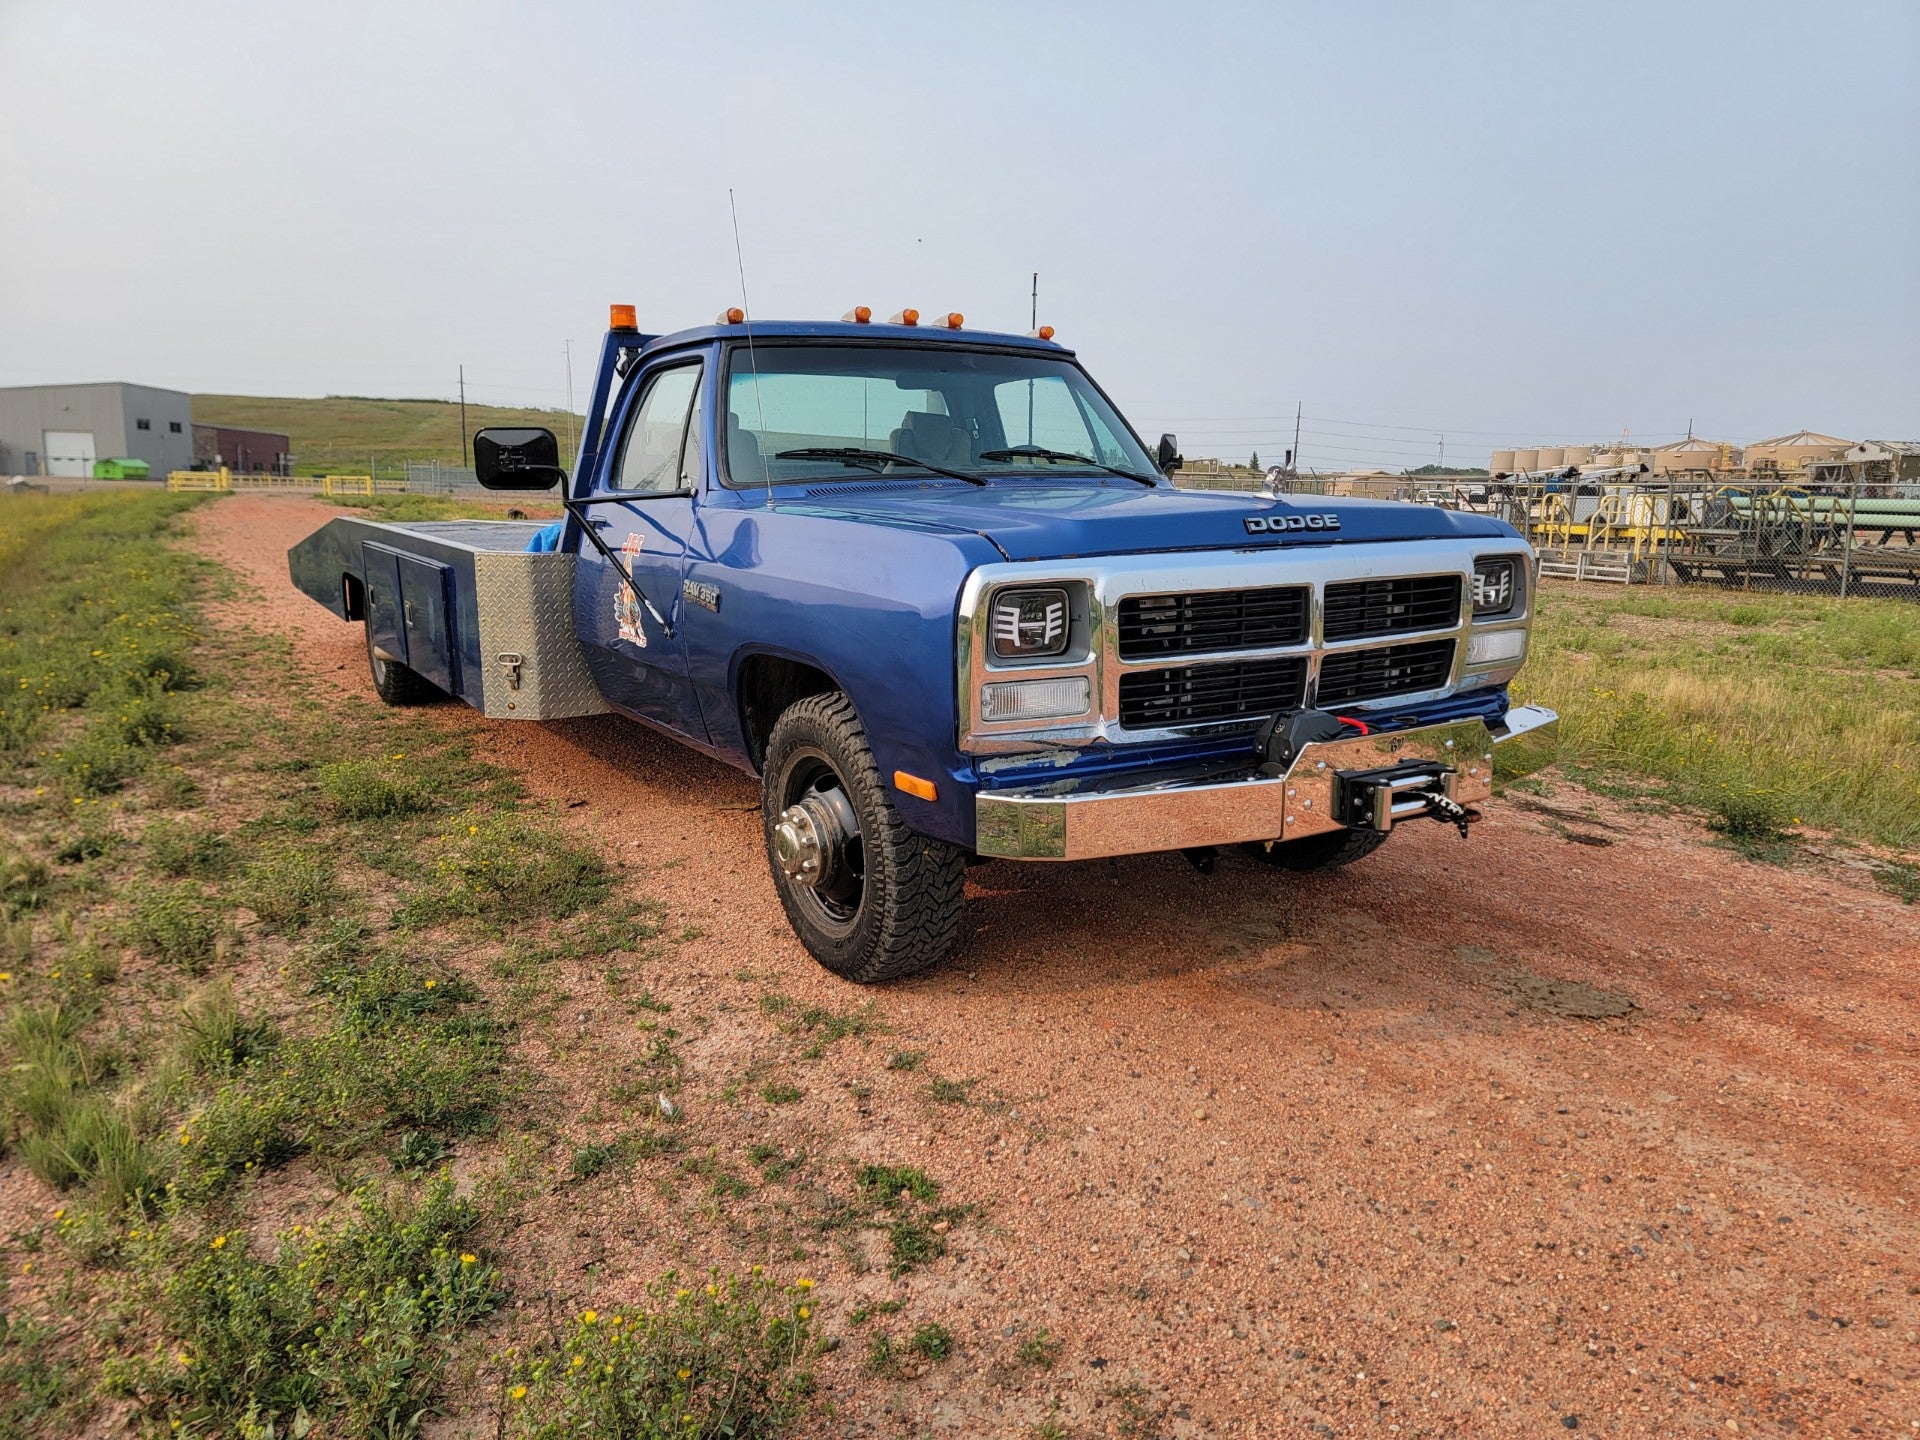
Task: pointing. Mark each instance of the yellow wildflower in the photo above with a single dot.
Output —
(588, 1317)
(804, 1312)
(466, 1259)
(519, 1392)
(217, 1242)
(686, 1374)
(803, 1283)
(578, 1361)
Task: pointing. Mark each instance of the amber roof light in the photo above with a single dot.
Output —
(622, 317)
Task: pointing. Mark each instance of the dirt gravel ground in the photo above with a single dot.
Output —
(1521, 1135)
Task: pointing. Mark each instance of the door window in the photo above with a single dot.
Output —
(662, 452)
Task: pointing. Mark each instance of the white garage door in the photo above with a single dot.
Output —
(69, 452)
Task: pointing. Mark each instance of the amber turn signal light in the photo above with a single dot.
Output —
(914, 785)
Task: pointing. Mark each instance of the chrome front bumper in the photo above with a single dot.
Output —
(1071, 820)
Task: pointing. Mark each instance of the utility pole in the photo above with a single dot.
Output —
(1443, 452)
(463, 417)
(569, 345)
(1297, 406)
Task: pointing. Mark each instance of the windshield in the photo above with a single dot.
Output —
(913, 411)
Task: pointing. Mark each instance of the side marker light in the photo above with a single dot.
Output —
(914, 785)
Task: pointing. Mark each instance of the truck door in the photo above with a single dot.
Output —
(642, 505)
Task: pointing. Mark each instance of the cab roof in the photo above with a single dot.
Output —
(849, 331)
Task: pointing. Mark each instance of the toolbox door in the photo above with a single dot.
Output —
(424, 592)
(380, 569)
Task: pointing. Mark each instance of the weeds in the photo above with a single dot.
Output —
(906, 1059)
(504, 871)
(778, 1092)
(1039, 1350)
(932, 1341)
(179, 924)
(949, 1092)
(352, 1321)
(287, 887)
(723, 1358)
(182, 850)
(215, 1037)
(371, 790)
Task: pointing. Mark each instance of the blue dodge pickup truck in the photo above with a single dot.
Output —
(931, 588)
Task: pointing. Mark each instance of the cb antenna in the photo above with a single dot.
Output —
(753, 362)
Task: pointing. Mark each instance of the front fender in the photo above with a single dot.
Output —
(872, 607)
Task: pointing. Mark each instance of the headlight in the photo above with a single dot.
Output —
(1029, 624)
(1496, 586)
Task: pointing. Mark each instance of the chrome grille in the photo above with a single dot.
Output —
(1150, 626)
(1199, 694)
(1356, 609)
(1348, 677)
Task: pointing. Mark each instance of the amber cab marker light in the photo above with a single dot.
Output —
(1045, 332)
(858, 315)
(914, 785)
(622, 317)
(905, 317)
(732, 315)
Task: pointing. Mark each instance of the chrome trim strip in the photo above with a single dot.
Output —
(1058, 822)
(1104, 582)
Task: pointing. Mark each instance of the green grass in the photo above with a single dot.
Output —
(1807, 707)
(342, 434)
(154, 1105)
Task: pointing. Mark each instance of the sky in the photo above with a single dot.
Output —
(1497, 223)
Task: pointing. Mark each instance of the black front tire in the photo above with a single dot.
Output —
(896, 904)
(1320, 852)
(395, 683)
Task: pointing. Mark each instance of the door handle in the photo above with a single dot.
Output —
(599, 524)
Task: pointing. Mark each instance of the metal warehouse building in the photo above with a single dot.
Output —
(64, 429)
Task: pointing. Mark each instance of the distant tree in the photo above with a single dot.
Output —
(1446, 470)
(1254, 463)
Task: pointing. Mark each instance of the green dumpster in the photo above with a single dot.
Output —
(123, 468)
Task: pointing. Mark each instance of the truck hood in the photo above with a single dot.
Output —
(1038, 521)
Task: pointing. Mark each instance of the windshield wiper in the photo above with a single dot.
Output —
(876, 459)
(1040, 452)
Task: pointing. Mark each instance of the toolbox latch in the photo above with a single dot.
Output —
(511, 661)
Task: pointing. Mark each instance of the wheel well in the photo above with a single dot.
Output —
(353, 597)
(768, 685)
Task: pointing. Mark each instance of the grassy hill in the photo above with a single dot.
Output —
(343, 434)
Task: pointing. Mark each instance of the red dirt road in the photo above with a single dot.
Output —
(1312, 1155)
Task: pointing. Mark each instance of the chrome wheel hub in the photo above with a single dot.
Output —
(810, 839)
(796, 845)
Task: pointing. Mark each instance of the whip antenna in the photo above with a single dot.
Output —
(753, 363)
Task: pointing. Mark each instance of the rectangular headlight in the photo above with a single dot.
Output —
(1036, 699)
(1029, 624)
(1496, 586)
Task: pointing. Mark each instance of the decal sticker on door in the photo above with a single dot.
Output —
(626, 604)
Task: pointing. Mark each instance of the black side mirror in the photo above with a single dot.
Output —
(1167, 455)
(517, 459)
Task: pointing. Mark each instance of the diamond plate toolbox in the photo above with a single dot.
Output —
(530, 655)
